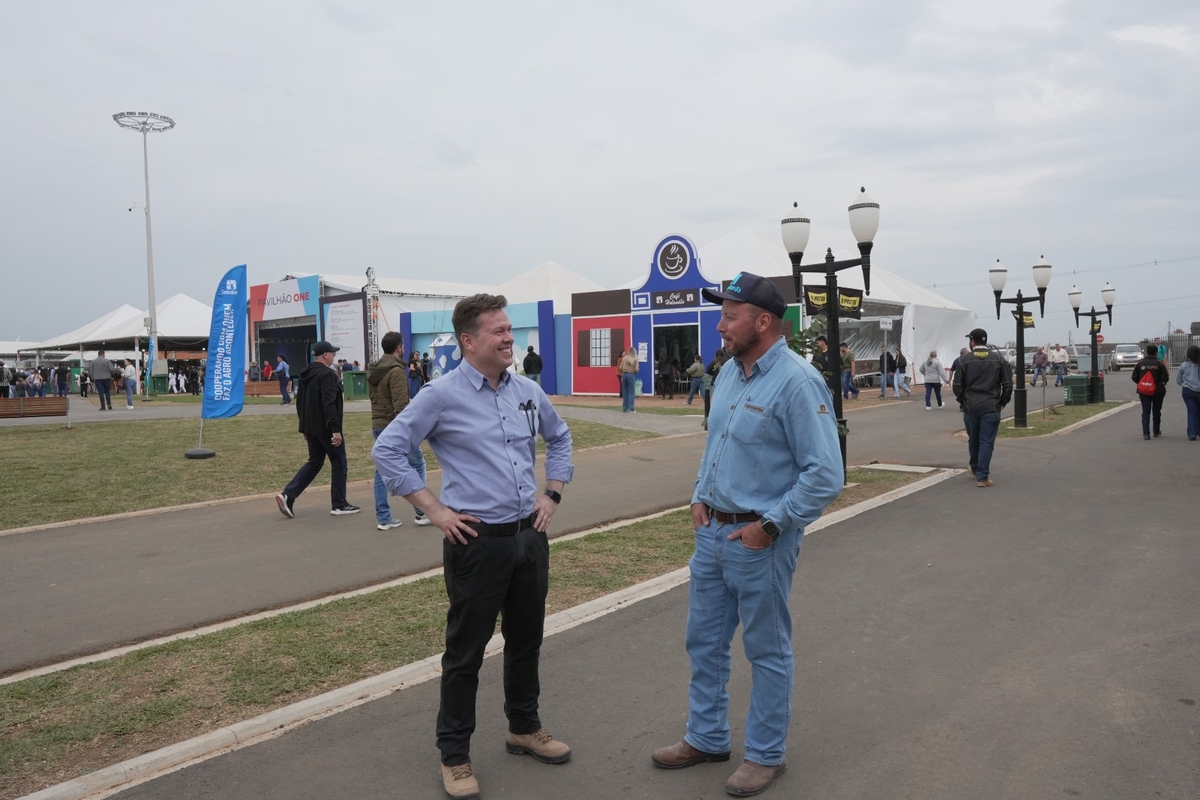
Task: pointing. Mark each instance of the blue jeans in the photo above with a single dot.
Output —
(283, 391)
(933, 388)
(1037, 372)
(884, 379)
(627, 389)
(416, 460)
(900, 383)
(1060, 372)
(129, 385)
(694, 389)
(1191, 399)
(104, 392)
(981, 431)
(848, 387)
(731, 582)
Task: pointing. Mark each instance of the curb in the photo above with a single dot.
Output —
(119, 777)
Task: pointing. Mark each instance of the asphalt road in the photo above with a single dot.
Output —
(1037, 639)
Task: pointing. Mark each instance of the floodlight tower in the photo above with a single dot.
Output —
(147, 122)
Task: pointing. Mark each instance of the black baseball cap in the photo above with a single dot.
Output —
(979, 335)
(753, 289)
(321, 348)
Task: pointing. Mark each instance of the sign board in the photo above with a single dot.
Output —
(885, 324)
(1099, 338)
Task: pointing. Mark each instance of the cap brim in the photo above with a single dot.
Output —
(719, 297)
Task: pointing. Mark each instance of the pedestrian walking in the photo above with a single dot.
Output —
(416, 374)
(899, 377)
(387, 386)
(1188, 378)
(102, 375)
(771, 465)
(696, 375)
(887, 367)
(1150, 375)
(495, 555)
(848, 372)
(983, 385)
(62, 380)
(283, 374)
(533, 366)
(319, 407)
(628, 368)
(934, 376)
(1058, 360)
(5, 380)
(1040, 360)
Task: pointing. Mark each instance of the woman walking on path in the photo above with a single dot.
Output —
(934, 375)
(1152, 397)
(416, 374)
(628, 368)
(1188, 377)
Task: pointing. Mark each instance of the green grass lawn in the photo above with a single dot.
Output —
(112, 467)
(696, 410)
(1054, 418)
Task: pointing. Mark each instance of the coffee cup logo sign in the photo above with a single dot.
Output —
(681, 298)
(673, 260)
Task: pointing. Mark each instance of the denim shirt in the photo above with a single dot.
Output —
(485, 440)
(1188, 376)
(772, 443)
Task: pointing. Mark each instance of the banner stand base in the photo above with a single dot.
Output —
(199, 452)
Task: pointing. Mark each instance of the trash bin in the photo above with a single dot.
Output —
(637, 387)
(355, 384)
(1076, 390)
(158, 384)
(1100, 389)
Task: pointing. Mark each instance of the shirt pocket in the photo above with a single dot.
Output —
(750, 426)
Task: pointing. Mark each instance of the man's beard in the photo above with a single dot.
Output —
(740, 349)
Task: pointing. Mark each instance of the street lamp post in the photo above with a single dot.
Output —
(147, 122)
(998, 275)
(864, 223)
(1108, 294)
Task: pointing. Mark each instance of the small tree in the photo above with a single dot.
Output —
(804, 341)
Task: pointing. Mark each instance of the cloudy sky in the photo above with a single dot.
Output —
(473, 141)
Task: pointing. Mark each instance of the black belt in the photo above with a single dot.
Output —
(503, 528)
(734, 518)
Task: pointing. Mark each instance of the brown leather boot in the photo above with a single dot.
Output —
(751, 779)
(539, 744)
(682, 754)
(459, 782)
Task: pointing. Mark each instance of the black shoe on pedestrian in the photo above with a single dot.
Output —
(1157, 434)
(342, 511)
(1146, 436)
(285, 505)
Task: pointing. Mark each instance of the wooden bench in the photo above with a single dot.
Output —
(14, 407)
(268, 388)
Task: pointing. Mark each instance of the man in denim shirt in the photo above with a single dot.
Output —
(482, 422)
(771, 465)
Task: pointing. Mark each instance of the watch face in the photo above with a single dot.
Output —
(673, 260)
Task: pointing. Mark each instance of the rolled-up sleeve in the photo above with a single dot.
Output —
(401, 437)
(558, 441)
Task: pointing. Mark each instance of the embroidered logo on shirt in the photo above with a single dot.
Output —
(822, 410)
(754, 408)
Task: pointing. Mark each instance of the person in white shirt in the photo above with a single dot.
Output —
(131, 379)
(1058, 358)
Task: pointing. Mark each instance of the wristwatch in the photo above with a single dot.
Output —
(553, 495)
(770, 529)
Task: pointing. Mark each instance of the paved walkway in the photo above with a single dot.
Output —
(1037, 639)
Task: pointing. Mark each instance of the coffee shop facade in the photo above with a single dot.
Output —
(665, 315)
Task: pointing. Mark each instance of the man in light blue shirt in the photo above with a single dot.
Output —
(482, 422)
(771, 465)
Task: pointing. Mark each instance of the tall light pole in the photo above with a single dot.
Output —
(864, 224)
(1108, 294)
(998, 276)
(147, 122)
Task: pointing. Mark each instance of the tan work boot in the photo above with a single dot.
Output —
(539, 744)
(751, 779)
(682, 754)
(459, 782)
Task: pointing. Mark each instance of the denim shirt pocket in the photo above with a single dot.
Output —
(749, 425)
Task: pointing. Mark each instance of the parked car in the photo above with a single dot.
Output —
(1124, 355)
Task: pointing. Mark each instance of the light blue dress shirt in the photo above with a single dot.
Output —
(485, 440)
(772, 443)
(1189, 376)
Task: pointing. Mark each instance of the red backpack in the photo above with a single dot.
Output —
(1147, 385)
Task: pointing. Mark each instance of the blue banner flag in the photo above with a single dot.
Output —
(225, 369)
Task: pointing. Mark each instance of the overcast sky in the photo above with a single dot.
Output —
(473, 141)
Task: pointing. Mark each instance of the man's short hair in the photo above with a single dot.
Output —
(468, 310)
(391, 341)
(1152, 350)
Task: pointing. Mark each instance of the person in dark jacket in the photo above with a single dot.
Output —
(983, 385)
(1152, 404)
(533, 366)
(319, 407)
(387, 386)
(887, 369)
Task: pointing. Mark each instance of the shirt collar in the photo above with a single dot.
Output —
(476, 378)
(768, 359)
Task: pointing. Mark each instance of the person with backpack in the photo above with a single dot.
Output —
(1151, 376)
(387, 385)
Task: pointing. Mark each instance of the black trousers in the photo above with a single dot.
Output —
(490, 576)
(1152, 405)
(318, 449)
